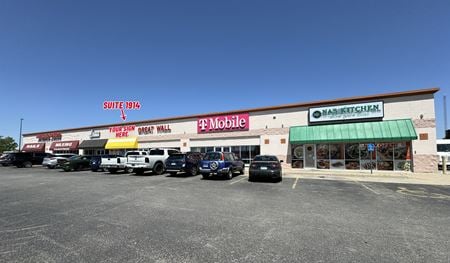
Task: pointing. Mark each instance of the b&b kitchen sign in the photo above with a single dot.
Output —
(223, 123)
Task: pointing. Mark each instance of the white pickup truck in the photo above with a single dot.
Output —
(153, 161)
(119, 163)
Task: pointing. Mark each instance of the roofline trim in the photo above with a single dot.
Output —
(268, 108)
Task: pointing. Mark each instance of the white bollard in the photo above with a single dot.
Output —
(444, 164)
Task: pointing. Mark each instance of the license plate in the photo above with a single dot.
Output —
(205, 166)
(263, 168)
(173, 164)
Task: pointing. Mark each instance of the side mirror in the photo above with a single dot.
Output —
(281, 161)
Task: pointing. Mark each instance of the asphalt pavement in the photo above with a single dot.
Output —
(53, 216)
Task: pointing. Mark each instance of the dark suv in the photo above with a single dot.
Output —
(222, 164)
(183, 162)
(27, 159)
(6, 159)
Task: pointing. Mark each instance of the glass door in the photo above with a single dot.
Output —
(310, 156)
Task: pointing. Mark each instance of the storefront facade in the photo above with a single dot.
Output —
(331, 134)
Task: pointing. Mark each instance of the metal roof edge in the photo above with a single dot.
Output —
(268, 108)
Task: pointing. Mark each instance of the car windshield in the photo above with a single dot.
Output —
(176, 156)
(212, 156)
(265, 158)
(443, 147)
(132, 153)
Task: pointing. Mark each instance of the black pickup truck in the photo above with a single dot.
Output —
(27, 159)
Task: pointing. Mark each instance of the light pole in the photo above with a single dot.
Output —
(20, 136)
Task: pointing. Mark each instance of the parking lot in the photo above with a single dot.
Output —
(53, 216)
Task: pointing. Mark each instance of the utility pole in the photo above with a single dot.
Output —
(20, 136)
(445, 113)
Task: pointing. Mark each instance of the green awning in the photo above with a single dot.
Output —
(381, 131)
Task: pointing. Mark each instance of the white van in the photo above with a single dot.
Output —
(443, 150)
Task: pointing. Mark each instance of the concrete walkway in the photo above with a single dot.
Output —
(365, 176)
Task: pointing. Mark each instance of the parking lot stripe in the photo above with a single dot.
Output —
(295, 183)
(368, 188)
(243, 178)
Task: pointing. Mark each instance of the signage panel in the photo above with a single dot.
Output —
(94, 134)
(49, 136)
(152, 129)
(223, 123)
(347, 112)
(122, 131)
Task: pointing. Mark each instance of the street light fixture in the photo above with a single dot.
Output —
(20, 136)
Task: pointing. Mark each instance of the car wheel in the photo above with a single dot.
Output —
(94, 170)
(173, 173)
(193, 171)
(251, 179)
(67, 169)
(205, 176)
(50, 167)
(230, 174)
(158, 169)
(27, 164)
(113, 171)
(128, 170)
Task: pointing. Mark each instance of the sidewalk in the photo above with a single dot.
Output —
(365, 176)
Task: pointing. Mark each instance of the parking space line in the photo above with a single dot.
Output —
(368, 188)
(243, 178)
(295, 183)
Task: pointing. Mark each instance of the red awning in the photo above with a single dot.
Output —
(34, 147)
(64, 146)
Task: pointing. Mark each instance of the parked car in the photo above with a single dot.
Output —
(154, 161)
(96, 161)
(115, 163)
(55, 160)
(27, 159)
(76, 163)
(265, 167)
(221, 164)
(6, 159)
(184, 162)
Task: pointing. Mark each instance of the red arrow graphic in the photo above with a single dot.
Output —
(122, 115)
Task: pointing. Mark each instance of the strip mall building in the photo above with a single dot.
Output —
(394, 131)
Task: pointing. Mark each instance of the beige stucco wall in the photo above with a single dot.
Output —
(274, 125)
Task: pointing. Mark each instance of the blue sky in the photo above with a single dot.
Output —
(59, 60)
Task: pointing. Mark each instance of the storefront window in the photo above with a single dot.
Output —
(401, 156)
(323, 156)
(352, 156)
(366, 162)
(385, 156)
(337, 154)
(245, 154)
(236, 150)
(355, 156)
(297, 156)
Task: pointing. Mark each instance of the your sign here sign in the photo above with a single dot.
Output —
(122, 131)
(347, 112)
(223, 123)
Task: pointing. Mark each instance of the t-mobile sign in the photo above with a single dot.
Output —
(223, 123)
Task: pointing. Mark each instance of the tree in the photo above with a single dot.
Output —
(7, 144)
